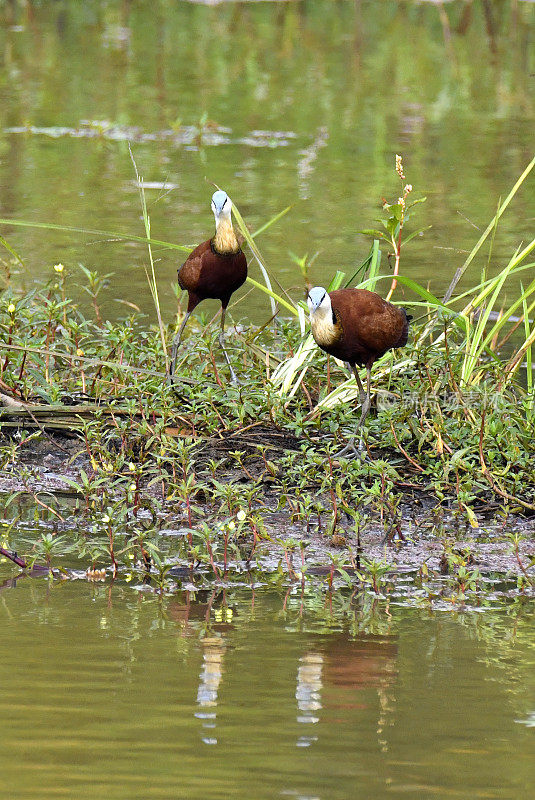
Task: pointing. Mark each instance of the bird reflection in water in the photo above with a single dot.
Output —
(308, 693)
(351, 667)
(369, 662)
(209, 681)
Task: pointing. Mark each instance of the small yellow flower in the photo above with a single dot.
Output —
(105, 519)
(58, 268)
(11, 308)
(241, 515)
(132, 487)
(231, 525)
(132, 467)
(79, 352)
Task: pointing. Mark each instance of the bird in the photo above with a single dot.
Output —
(215, 269)
(356, 326)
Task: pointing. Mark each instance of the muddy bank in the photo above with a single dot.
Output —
(426, 539)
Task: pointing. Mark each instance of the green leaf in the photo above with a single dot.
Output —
(374, 232)
(70, 482)
(415, 202)
(11, 250)
(416, 233)
(397, 211)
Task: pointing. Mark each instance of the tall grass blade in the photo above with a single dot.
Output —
(259, 258)
(111, 235)
(285, 377)
(289, 307)
(529, 352)
(462, 269)
(369, 267)
(256, 253)
(151, 279)
(516, 361)
(13, 252)
(272, 221)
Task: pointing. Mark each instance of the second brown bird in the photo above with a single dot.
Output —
(356, 326)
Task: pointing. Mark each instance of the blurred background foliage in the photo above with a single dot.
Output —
(281, 103)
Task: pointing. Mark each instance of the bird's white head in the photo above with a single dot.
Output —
(318, 301)
(221, 206)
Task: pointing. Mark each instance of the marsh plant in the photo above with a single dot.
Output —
(231, 467)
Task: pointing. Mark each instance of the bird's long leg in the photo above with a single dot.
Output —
(233, 377)
(365, 407)
(176, 345)
(367, 402)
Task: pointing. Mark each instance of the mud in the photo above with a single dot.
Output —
(416, 546)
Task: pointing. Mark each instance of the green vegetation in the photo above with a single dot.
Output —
(234, 466)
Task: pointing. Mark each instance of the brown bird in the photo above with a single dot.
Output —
(215, 269)
(356, 326)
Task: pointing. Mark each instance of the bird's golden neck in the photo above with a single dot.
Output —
(324, 330)
(225, 240)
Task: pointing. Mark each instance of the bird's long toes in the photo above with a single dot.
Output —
(349, 451)
(352, 450)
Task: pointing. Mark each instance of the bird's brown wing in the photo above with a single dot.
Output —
(189, 272)
(371, 325)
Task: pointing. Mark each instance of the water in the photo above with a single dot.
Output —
(112, 692)
(302, 103)
(109, 691)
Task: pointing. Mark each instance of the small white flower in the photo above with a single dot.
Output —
(58, 268)
(241, 515)
(11, 308)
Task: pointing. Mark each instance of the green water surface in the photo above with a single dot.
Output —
(111, 692)
(298, 103)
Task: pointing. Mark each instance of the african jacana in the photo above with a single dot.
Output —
(215, 269)
(356, 326)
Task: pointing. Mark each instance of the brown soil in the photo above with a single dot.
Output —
(417, 544)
